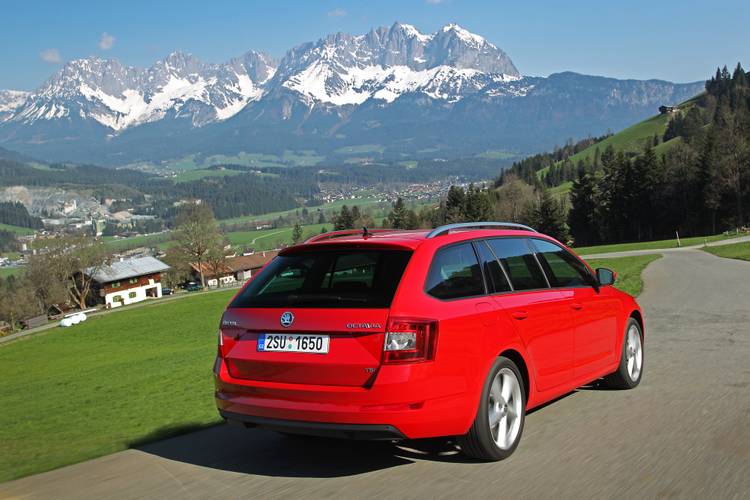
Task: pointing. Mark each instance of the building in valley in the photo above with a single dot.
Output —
(128, 281)
(234, 269)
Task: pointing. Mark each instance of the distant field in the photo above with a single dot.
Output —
(267, 239)
(336, 205)
(653, 245)
(199, 173)
(107, 384)
(10, 271)
(494, 154)
(739, 251)
(21, 231)
(360, 149)
(147, 240)
(628, 269)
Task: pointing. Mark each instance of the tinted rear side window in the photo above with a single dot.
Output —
(562, 268)
(329, 278)
(455, 273)
(495, 276)
(519, 262)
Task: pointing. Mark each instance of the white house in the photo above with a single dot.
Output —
(129, 281)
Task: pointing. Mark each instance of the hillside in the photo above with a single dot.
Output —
(630, 141)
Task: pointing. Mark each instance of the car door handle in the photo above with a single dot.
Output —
(520, 314)
(577, 306)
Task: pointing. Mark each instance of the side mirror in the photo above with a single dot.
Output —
(605, 276)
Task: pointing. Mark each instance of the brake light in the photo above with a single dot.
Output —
(409, 340)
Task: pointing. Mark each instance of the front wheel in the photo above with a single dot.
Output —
(630, 370)
(498, 425)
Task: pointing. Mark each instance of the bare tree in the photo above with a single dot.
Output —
(197, 234)
(72, 261)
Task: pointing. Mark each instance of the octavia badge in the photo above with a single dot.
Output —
(287, 319)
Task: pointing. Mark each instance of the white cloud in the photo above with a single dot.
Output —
(337, 12)
(107, 41)
(50, 56)
(434, 2)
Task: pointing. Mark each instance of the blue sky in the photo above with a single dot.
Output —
(674, 40)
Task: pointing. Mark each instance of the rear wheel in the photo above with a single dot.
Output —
(498, 424)
(628, 374)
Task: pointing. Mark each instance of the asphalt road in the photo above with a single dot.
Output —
(684, 432)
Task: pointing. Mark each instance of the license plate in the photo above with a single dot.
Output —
(293, 342)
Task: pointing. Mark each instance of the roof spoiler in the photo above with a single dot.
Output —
(439, 231)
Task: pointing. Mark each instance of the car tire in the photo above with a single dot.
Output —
(502, 407)
(630, 370)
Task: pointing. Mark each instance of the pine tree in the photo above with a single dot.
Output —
(296, 233)
(343, 220)
(397, 218)
(548, 216)
(584, 212)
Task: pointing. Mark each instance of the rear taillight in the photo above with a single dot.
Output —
(409, 340)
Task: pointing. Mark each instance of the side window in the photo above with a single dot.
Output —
(455, 273)
(496, 280)
(562, 268)
(519, 262)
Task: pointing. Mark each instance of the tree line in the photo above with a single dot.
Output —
(698, 186)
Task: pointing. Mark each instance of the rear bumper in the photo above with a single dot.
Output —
(405, 401)
(345, 431)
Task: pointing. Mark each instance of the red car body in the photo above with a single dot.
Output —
(559, 337)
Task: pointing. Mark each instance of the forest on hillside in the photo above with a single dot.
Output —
(698, 185)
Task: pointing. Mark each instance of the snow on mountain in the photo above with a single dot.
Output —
(120, 97)
(386, 63)
(10, 101)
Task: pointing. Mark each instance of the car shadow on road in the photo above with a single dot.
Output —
(267, 453)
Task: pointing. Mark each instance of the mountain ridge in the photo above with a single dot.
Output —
(339, 90)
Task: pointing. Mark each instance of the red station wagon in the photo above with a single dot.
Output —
(391, 335)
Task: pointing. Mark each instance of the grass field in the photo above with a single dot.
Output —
(266, 239)
(628, 269)
(199, 173)
(21, 231)
(10, 271)
(159, 240)
(652, 245)
(629, 140)
(105, 384)
(124, 378)
(739, 251)
(336, 205)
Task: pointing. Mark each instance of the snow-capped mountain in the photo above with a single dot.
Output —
(119, 97)
(395, 86)
(10, 101)
(386, 63)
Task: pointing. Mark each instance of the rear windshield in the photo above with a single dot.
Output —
(351, 278)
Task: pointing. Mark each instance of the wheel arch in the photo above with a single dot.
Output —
(638, 316)
(520, 362)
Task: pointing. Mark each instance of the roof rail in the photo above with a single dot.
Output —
(438, 231)
(346, 232)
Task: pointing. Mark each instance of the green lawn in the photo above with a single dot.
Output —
(652, 245)
(100, 386)
(739, 251)
(628, 269)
